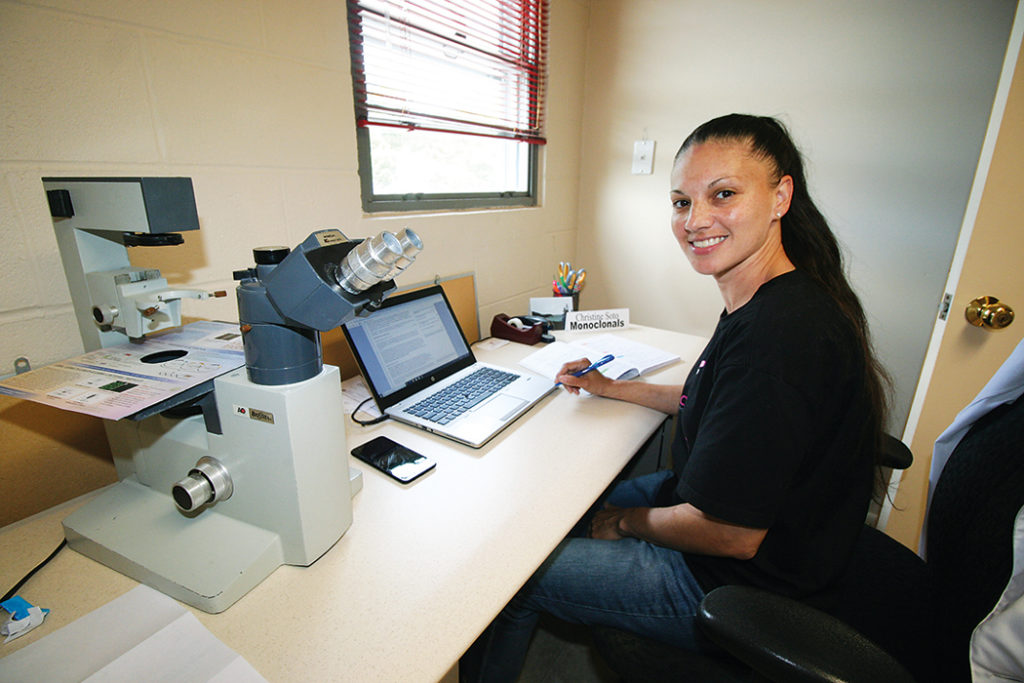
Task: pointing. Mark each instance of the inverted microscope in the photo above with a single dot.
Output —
(223, 483)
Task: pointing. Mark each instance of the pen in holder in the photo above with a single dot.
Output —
(569, 282)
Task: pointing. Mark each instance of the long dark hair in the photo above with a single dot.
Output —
(808, 242)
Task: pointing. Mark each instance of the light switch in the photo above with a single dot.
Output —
(643, 157)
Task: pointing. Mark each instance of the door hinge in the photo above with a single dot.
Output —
(947, 300)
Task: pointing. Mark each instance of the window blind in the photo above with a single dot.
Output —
(475, 67)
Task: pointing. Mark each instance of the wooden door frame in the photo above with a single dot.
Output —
(995, 122)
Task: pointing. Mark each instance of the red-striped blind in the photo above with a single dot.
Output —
(474, 67)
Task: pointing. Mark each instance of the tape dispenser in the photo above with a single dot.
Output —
(523, 329)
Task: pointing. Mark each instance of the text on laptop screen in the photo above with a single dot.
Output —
(402, 343)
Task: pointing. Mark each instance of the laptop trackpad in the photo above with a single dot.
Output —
(501, 407)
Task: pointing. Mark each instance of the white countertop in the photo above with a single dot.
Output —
(423, 568)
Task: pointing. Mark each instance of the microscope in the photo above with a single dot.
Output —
(220, 485)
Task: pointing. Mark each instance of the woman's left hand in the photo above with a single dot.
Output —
(605, 523)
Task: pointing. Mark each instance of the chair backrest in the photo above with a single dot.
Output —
(924, 614)
(885, 595)
(970, 530)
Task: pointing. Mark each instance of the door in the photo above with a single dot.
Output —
(961, 357)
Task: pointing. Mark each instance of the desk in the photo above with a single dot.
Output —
(423, 569)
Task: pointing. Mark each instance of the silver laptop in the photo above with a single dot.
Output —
(421, 371)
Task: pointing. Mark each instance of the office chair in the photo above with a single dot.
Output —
(897, 618)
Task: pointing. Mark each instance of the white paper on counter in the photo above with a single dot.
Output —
(141, 636)
(115, 382)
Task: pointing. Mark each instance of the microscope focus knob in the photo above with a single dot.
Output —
(269, 256)
(104, 315)
(207, 482)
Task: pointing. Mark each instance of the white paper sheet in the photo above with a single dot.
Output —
(355, 393)
(115, 382)
(141, 636)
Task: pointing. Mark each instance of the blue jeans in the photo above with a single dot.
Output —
(628, 584)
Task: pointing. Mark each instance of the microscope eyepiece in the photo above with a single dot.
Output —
(411, 246)
(376, 259)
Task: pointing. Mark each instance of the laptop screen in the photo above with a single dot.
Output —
(409, 343)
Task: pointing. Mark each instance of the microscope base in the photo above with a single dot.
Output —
(159, 547)
(290, 503)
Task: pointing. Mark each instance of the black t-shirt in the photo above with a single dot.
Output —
(770, 423)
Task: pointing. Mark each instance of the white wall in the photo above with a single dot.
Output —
(888, 99)
(252, 100)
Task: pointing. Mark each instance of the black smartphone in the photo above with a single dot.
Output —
(393, 459)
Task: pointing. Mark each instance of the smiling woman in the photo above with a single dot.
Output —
(807, 240)
(778, 423)
(727, 213)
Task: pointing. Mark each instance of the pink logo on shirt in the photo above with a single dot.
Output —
(682, 399)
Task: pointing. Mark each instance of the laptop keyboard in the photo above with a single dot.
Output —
(452, 401)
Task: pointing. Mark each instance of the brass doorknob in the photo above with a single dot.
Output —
(989, 312)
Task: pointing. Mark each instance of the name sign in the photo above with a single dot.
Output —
(597, 321)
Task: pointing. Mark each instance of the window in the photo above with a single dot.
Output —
(449, 99)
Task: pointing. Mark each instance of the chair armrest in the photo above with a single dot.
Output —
(895, 454)
(787, 641)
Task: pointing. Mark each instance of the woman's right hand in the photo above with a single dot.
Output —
(593, 382)
(663, 397)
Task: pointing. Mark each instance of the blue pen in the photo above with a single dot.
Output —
(593, 366)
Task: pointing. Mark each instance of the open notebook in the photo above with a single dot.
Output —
(632, 359)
